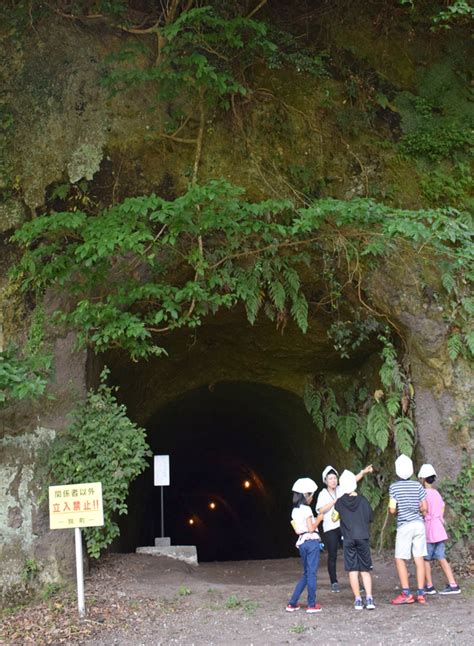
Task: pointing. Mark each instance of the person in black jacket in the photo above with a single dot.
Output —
(356, 515)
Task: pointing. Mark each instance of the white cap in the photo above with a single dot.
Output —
(403, 467)
(347, 482)
(326, 471)
(304, 485)
(426, 471)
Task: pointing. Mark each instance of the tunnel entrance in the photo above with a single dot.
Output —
(235, 449)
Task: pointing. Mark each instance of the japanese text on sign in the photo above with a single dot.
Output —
(76, 505)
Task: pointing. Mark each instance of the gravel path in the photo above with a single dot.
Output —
(145, 600)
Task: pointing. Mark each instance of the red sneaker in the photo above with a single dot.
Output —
(312, 609)
(291, 608)
(421, 598)
(402, 599)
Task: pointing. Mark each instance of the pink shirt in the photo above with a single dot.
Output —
(434, 519)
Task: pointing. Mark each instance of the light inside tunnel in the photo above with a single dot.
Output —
(239, 447)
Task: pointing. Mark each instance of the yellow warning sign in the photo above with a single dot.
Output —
(76, 505)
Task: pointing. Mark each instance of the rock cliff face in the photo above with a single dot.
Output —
(290, 135)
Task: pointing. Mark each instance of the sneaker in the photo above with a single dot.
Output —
(430, 589)
(291, 608)
(369, 603)
(402, 599)
(311, 609)
(335, 587)
(358, 605)
(421, 598)
(451, 589)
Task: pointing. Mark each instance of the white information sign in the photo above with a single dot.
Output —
(161, 464)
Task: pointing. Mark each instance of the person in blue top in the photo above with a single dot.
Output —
(408, 502)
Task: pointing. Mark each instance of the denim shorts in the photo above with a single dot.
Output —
(436, 551)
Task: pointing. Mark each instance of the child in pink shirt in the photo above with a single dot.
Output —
(435, 533)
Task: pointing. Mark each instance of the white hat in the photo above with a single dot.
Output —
(304, 485)
(326, 471)
(347, 482)
(403, 467)
(426, 471)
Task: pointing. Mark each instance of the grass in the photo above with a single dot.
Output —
(134, 605)
(247, 605)
(50, 590)
(298, 628)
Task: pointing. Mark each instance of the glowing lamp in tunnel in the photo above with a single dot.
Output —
(247, 484)
(212, 505)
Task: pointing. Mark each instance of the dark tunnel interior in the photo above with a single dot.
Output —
(235, 449)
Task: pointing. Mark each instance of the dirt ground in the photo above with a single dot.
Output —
(137, 599)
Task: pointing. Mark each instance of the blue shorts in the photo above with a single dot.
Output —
(435, 551)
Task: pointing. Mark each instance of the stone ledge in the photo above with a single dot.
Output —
(186, 553)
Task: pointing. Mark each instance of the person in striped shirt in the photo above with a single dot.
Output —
(408, 502)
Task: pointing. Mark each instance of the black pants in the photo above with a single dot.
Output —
(332, 538)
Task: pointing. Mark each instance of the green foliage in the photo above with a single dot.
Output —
(330, 408)
(404, 435)
(19, 15)
(148, 265)
(347, 427)
(371, 491)
(389, 419)
(436, 142)
(289, 52)
(364, 421)
(247, 605)
(298, 628)
(30, 570)
(162, 239)
(458, 496)
(101, 445)
(184, 591)
(455, 345)
(312, 400)
(349, 335)
(22, 377)
(457, 12)
(452, 186)
(378, 431)
(49, 591)
(357, 430)
(437, 123)
(321, 404)
(24, 374)
(201, 53)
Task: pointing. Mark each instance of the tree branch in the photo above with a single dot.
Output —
(257, 8)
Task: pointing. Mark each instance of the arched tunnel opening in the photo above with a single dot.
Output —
(235, 449)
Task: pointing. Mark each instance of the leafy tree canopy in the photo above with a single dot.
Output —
(149, 265)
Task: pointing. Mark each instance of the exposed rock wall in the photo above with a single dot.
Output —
(443, 389)
(28, 548)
